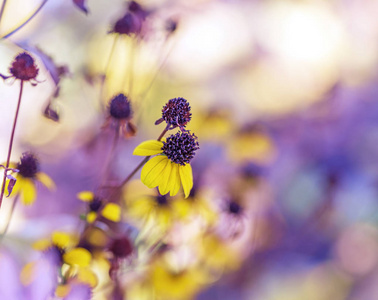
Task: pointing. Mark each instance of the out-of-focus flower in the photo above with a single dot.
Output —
(132, 21)
(171, 169)
(120, 114)
(76, 259)
(216, 254)
(176, 113)
(252, 144)
(110, 211)
(196, 205)
(27, 176)
(157, 208)
(177, 284)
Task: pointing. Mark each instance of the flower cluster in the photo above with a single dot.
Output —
(170, 168)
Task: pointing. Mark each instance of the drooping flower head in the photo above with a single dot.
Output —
(176, 113)
(119, 107)
(132, 21)
(120, 114)
(172, 167)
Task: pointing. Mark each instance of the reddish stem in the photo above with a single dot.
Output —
(11, 142)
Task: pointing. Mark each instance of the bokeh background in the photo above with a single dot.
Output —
(284, 103)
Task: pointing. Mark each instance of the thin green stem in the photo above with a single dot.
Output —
(26, 22)
(11, 141)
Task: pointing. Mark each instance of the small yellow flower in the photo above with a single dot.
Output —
(110, 211)
(26, 178)
(170, 168)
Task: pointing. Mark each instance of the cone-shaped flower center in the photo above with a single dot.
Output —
(120, 107)
(23, 67)
(177, 112)
(180, 147)
(28, 166)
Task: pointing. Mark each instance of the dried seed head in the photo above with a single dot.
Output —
(180, 147)
(28, 166)
(176, 113)
(23, 67)
(128, 24)
(120, 107)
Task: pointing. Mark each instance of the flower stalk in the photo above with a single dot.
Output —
(11, 141)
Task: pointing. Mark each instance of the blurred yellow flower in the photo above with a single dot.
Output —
(177, 284)
(110, 211)
(27, 176)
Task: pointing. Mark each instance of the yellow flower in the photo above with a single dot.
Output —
(196, 205)
(110, 211)
(170, 168)
(148, 205)
(26, 178)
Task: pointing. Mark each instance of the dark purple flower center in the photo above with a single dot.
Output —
(95, 204)
(121, 247)
(177, 112)
(234, 208)
(162, 200)
(120, 107)
(128, 24)
(23, 67)
(28, 166)
(180, 147)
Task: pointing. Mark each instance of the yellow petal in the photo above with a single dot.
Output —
(28, 191)
(85, 196)
(186, 176)
(152, 170)
(148, 148)
(87, 276)
(62, 290)
(46, 180)
(164, 180)
(77, 256)
(174, 180)
(27, 273)
(42, 245)
(91, 217)
(112, 212)
(61, 239)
